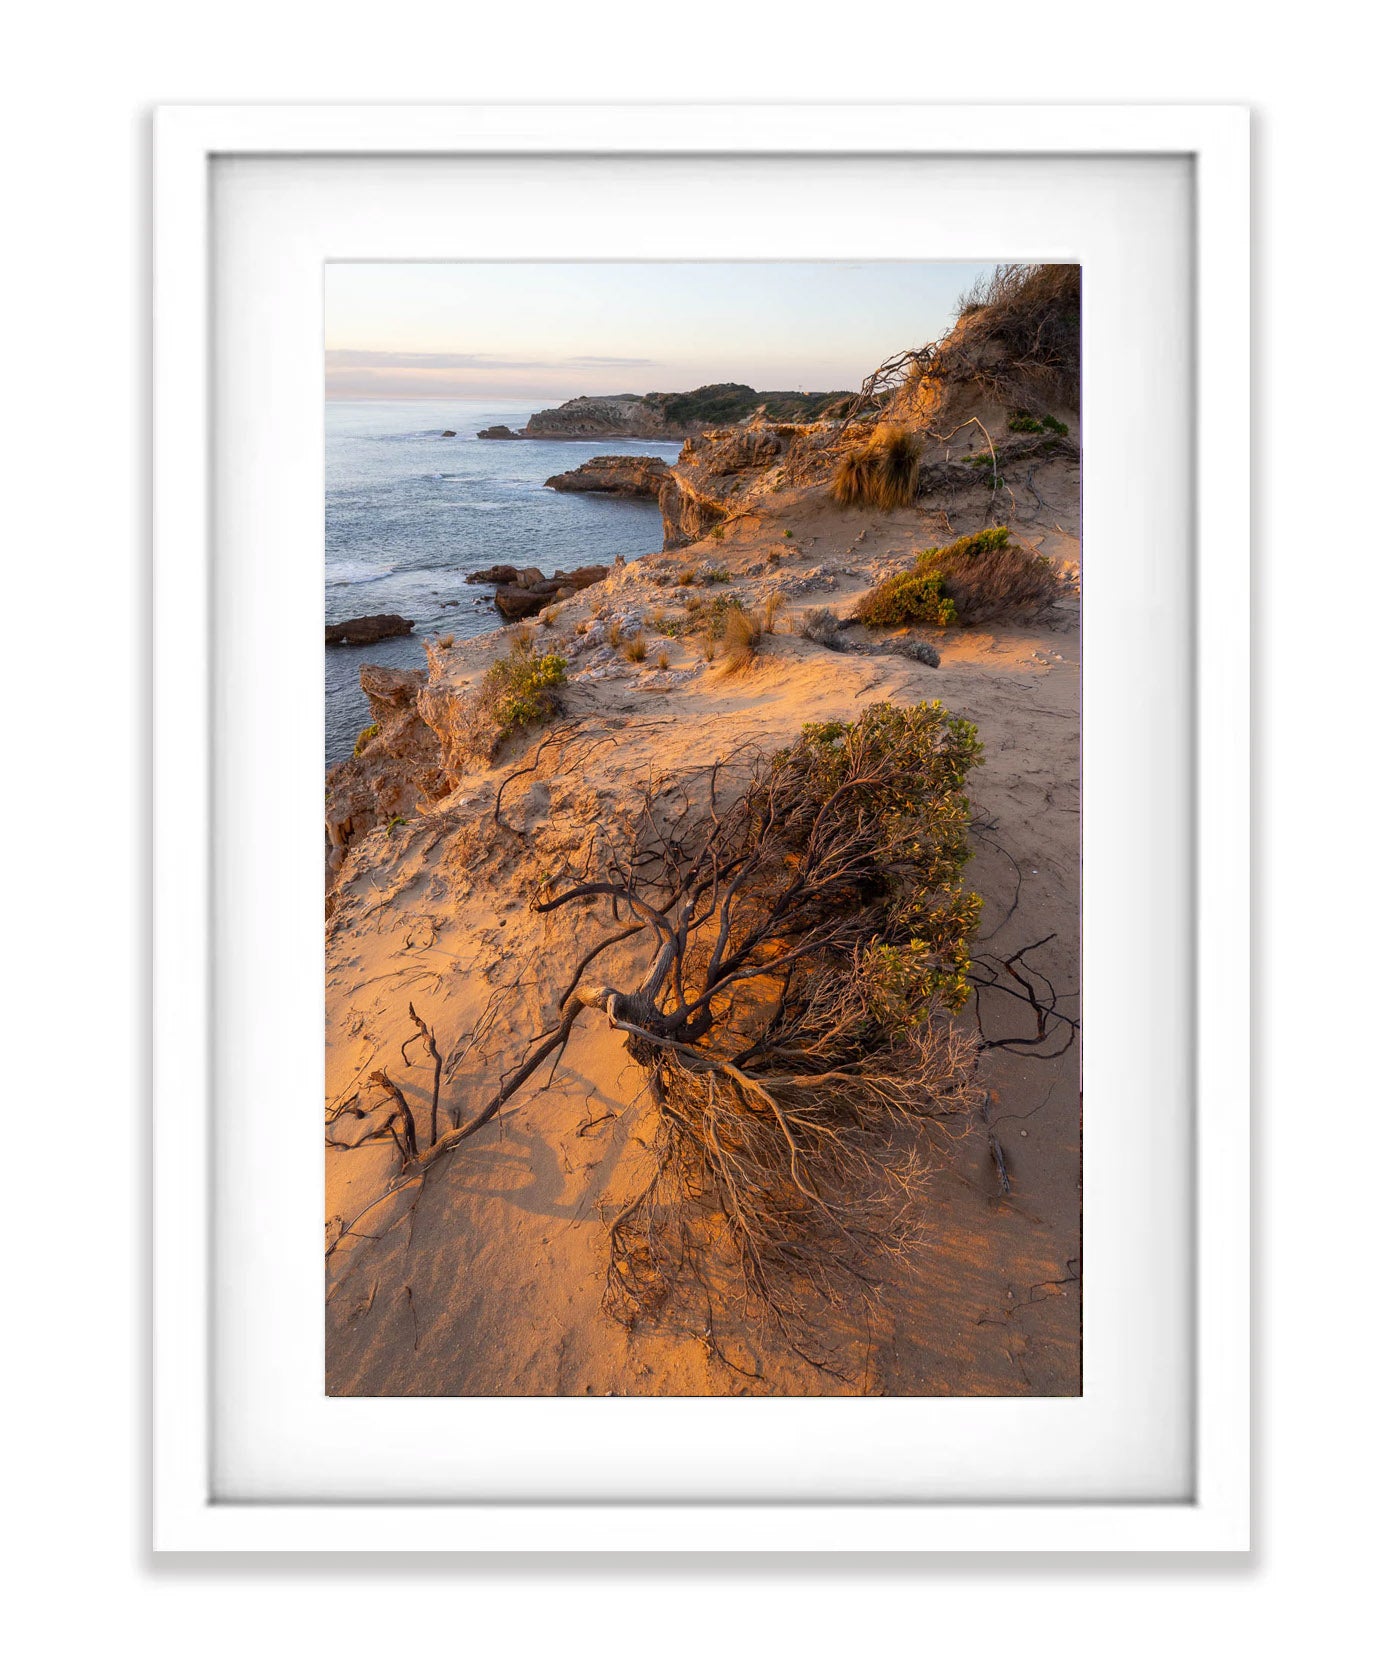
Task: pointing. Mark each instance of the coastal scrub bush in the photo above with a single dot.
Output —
(715, 574)
(363, 739)
(994, 579)
(978, 577)
(518, 692)
(882, 472)
(913, 595)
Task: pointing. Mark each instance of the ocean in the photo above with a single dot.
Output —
(409, 511)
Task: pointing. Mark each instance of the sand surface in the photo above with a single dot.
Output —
(485, 1276)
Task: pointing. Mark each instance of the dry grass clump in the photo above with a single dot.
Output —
(549, 615)
(686, 576)
(773, 603)
(614, 634)
(976, 579)
(663, 660)
(882, 472)
(740, 640)
(635, 648)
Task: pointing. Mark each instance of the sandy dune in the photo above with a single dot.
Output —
(485, 1277)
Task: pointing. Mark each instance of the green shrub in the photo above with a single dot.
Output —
(978, 577)
(924, 754)
(520, 691)
(1029, 423)
(912, 595)
(363, 739)
(971, 580)
(977, 542)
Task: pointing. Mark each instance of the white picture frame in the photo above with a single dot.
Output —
(1212, 1514)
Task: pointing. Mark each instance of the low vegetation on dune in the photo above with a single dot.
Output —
(882, 472)
(974, 580)
(518, 692)
(1016, 341)
(1031, 312)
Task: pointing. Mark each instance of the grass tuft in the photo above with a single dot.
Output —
(742, 636)
(882, 472)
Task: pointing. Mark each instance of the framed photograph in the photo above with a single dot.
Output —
(753, 872)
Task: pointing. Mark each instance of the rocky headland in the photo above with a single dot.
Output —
(671, 415)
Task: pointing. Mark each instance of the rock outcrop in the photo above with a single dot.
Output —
(498, 432)
(360, 632)
(524, 591)
(396, 767)
(643, 476)
(727, 470)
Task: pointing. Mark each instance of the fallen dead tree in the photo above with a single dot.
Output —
(808, 938)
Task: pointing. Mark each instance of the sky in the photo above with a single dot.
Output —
(557, 330)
